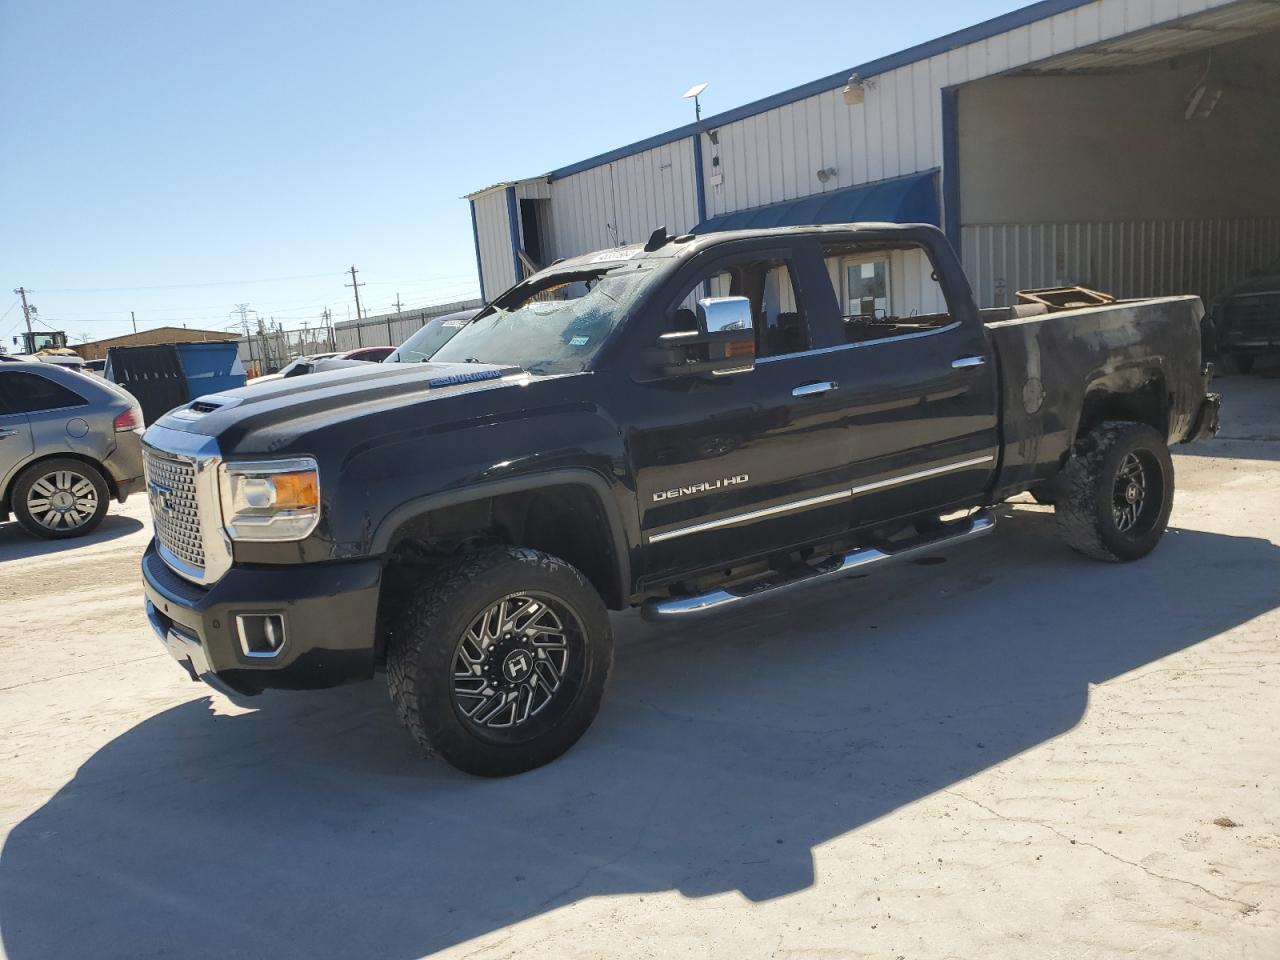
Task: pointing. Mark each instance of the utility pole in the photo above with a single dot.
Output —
(26, 315)
(398, 302)
(326, 319)
(356, 287)
(135, 321)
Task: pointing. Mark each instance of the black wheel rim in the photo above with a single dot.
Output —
(1138, 493)
(518, 667)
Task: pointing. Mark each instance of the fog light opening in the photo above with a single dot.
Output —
(261, 635)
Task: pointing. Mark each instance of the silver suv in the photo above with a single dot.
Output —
(68, 443)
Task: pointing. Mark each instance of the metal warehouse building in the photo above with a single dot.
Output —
(1127, 145)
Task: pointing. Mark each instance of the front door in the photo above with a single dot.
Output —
(735, 466)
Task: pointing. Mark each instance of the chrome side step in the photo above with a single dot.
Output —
(686, 608)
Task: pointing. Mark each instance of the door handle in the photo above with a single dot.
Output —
(813, 389)
(963, 363)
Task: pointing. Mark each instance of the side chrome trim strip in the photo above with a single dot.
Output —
(921, 475)
(860, 346)
(753, 515)
(818, 501)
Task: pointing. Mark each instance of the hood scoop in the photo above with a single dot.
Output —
(201, 406)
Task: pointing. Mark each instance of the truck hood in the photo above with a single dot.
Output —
(282, 410)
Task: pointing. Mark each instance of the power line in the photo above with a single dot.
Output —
(186, 286)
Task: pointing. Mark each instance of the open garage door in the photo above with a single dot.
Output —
(1141, 166)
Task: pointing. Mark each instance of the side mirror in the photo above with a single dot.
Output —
(723, 344)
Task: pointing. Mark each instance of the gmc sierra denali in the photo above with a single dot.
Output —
(689, 425)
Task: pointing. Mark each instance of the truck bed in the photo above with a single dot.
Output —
(1054, 365)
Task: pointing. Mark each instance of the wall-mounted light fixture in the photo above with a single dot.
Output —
(855, 91)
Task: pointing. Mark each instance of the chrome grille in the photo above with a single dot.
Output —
(171, 485)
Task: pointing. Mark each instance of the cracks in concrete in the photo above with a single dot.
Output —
(78, 673)
(1245, 908)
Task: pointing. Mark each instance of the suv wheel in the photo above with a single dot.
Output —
(499, 662)
(1116, 492)
(60, 498)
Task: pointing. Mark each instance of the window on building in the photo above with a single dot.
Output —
(780, 324)
(885, 291)
(31, 393)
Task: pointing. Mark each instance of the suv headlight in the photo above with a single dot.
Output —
(270, 499)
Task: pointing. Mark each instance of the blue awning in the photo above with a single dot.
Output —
(910, 199)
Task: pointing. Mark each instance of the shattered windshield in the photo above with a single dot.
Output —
(557, 327)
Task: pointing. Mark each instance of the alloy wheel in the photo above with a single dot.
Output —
(62, 500)
(516, 662)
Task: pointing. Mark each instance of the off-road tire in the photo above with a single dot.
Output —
(45, 468)
(425, 639)
(1087, 488)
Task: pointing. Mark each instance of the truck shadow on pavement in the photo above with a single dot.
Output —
(727, 750)
(17, 544)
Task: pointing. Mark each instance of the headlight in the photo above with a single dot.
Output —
(270, 499)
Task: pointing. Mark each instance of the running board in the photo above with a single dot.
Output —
(687, 608)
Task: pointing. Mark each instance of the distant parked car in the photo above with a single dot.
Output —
(70, 363)
(68, 443)
(1245, 320)
(434, 335)
(368, 354)
(96, 367)
(296, 367)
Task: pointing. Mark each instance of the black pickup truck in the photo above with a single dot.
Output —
(691, 425)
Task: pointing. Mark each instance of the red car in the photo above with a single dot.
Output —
(369, 354)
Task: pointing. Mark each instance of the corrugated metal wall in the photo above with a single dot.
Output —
(493, 229)
(1126, 259)
(625, 201)
(392, 329)
(775, 155)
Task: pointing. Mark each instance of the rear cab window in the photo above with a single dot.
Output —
(885, 290)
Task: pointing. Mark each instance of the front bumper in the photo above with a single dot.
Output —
(329, 613)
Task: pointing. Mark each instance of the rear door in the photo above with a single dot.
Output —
(919, 380)
(16, 447)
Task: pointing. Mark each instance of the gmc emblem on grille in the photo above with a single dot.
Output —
(159, 496)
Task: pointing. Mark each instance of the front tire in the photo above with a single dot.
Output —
(1116, 492)
(499, 662)
(60, 498)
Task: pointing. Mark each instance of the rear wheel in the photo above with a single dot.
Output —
(1116, 492)
(60, 498)
(499, 662)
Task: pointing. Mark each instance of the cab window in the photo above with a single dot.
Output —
(781, 326)
(885, 291)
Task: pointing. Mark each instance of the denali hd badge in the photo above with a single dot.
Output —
(705, 487)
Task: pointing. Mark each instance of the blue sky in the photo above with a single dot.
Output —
(178, 158)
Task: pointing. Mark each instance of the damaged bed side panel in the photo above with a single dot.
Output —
(1062, 372)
